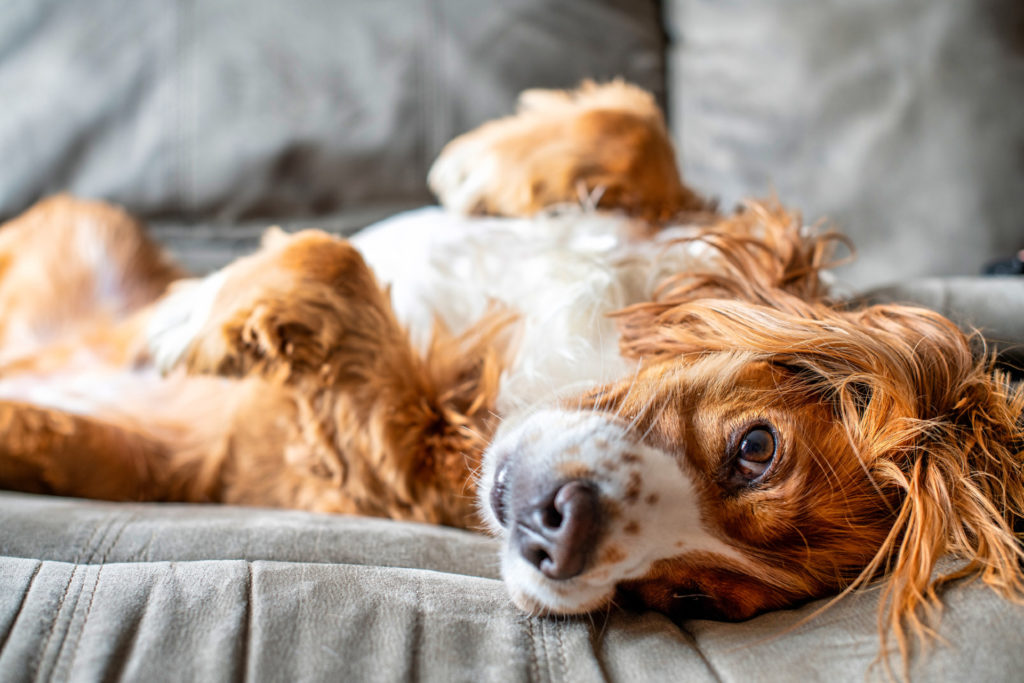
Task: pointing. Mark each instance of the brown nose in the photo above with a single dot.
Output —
(556, 531)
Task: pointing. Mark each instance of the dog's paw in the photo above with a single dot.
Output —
(603, 146)
(287, 308)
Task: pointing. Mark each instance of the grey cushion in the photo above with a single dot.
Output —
(900, 121)
(92, 591)
(239, 109)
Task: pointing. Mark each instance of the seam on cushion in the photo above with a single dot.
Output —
(416, 631)
(102, 524)
(712, 669)
(37, 662)
(247, 635)
(561, 654)
(125, 521)
(542, 653)
(21, 605)
(534, 659)
(545, 636)
(256, 559)
(148, 560)
(62, 665)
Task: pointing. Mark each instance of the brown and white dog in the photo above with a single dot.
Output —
(647, 398)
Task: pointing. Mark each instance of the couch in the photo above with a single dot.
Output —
(897, 120)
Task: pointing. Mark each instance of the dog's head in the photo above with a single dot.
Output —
(769, 449)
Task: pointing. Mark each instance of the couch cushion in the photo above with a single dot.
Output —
(900, 121)
(240, 109)
(93, 591)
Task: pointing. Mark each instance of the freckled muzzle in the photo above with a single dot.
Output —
(582, 506)
(548, 502)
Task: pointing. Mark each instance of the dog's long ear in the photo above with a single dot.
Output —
(939, 431)
(762, 254)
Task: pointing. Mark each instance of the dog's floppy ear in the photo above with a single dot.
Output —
(939, 431)
(762, 254)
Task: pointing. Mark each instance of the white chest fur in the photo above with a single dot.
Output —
(562, 274)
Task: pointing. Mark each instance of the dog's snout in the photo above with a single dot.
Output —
(556, 530)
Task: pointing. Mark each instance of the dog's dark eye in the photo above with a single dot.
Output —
(755, 453)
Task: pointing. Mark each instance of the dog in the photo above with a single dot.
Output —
(644, 398)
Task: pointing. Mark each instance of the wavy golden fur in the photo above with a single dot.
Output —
(938, 430)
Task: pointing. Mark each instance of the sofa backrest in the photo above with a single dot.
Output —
(901, 121)
(238, 109)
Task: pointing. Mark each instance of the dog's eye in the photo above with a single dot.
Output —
(755, 453)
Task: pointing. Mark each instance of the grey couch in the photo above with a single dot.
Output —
(899, 120)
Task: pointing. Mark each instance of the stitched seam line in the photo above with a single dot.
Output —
(59, 669)
(247, 634)
(21, 606)
(87, 546)
(561, 654)
(135, 560)
(534, 663)
(416, 637)
(92, 596)
(549, 670)
(37, 662)
(703, 657)
(103, 529)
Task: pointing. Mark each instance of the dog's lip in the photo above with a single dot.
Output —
(537, 594)
(499, 489)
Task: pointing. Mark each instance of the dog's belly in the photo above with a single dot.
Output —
(134, 397)
(78, 391)
(561, 274)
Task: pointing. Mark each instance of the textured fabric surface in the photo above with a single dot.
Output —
(899, 121)
(264, 109)
(96, 591)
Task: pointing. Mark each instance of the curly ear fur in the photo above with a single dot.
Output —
(762, 254)
(937, 428)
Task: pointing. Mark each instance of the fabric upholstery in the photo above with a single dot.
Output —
(898, 121)
(240, 109)
(96, 591)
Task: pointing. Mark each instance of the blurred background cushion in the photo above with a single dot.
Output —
(901, 121)
(262, 110)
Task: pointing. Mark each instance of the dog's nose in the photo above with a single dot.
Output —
(557, 530)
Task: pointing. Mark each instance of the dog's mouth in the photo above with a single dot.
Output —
(499, 489)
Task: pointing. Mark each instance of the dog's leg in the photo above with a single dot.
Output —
(66, 264)
(299, 302)
(601, 146)
(380, 428)
(49, 451)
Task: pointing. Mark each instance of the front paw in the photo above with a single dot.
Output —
(293, 335)
(286, 309)
(604, 146)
